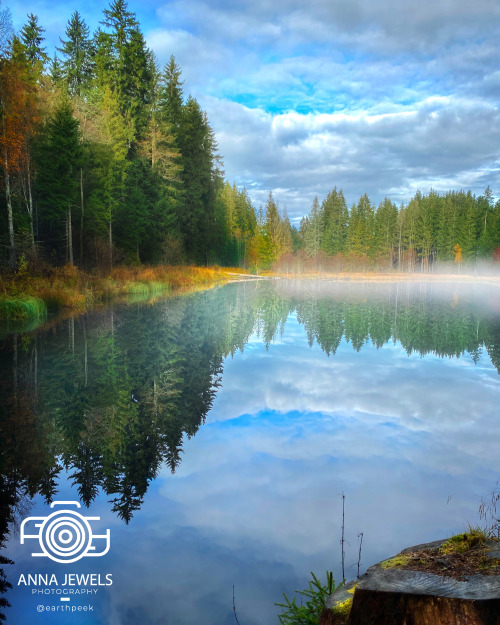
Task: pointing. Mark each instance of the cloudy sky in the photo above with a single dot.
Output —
(383, 97)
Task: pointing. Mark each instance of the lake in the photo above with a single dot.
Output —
(213, 434)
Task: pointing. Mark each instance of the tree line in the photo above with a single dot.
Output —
(106, 161)
(432, 228)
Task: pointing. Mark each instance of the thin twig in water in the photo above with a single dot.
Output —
(342, 539)
(360, 536)
(234, 608)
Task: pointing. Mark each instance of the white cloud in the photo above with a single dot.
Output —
(376, 97)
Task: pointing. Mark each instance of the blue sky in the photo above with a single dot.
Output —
(369, 96)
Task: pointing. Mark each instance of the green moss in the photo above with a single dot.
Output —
(397, 561)
(461, 543)
(22, 308)
(343, 609)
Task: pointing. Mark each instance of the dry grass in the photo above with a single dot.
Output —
(69, 288)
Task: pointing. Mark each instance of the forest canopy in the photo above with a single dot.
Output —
(106, 160)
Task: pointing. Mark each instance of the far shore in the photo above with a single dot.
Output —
(373, 276)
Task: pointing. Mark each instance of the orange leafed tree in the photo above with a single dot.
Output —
(457, 251)
(18, 117)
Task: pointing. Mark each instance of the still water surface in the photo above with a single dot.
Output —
(213, 433)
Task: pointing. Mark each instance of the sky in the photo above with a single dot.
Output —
(371, 96)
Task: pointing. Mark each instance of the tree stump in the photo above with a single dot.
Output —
(400, 595)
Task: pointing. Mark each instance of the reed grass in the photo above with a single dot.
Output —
(22, 308)
(72, 289)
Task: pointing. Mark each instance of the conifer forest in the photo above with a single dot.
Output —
(106, 159)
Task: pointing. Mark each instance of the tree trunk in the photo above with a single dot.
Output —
(81, 216)
(30, 208)
(10, 218)
(70, 238)
(110, 246)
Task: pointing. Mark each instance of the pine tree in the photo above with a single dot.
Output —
(171, 98)
(77, 68)
(58, 179)
(312, 235)
(385, 229)
(56, 72)
(360, 230)
(200, 176)
(335, 220)
(32, 38)
(125, 66)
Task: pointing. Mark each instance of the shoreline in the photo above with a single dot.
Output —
(372, 276)
(70, 289)
(67, 288)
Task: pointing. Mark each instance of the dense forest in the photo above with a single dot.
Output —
(105, 161)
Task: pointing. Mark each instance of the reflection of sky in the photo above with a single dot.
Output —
(255, 502)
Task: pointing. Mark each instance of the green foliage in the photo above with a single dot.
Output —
(22, 308)
(32, 38)
(307, 613)
(77, 67)
(461, 543)
(130, 164)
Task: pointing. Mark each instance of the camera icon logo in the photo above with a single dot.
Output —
(65, 536)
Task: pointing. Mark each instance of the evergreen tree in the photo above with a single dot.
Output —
(56, 72)
(32, 38)
(385, 224)
(125, 66)
(58, 174)
(335, 219)
(360, 230)
(200, 176)
(275, 236)
(77, 67)
(171, 98)
(312, 234)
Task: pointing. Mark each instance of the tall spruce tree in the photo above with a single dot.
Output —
(32, 38)
(312, 235)
(171, 98)
(200, 177)
(77, 67)
(335, 220)
(385, 230)
(58, 176)
(125, 66)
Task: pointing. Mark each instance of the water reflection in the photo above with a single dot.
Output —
(111, 400)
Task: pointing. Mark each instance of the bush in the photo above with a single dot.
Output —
(307, 613)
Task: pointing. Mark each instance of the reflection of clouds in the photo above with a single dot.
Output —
(398, 434)
(255, 501)
(385, 382)
(185, 575)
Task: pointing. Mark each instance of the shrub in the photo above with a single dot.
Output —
(307, 613)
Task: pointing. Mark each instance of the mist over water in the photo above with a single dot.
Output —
(214, 432)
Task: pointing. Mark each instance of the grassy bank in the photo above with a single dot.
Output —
(24, 296)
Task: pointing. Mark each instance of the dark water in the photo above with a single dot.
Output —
(213, 433)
